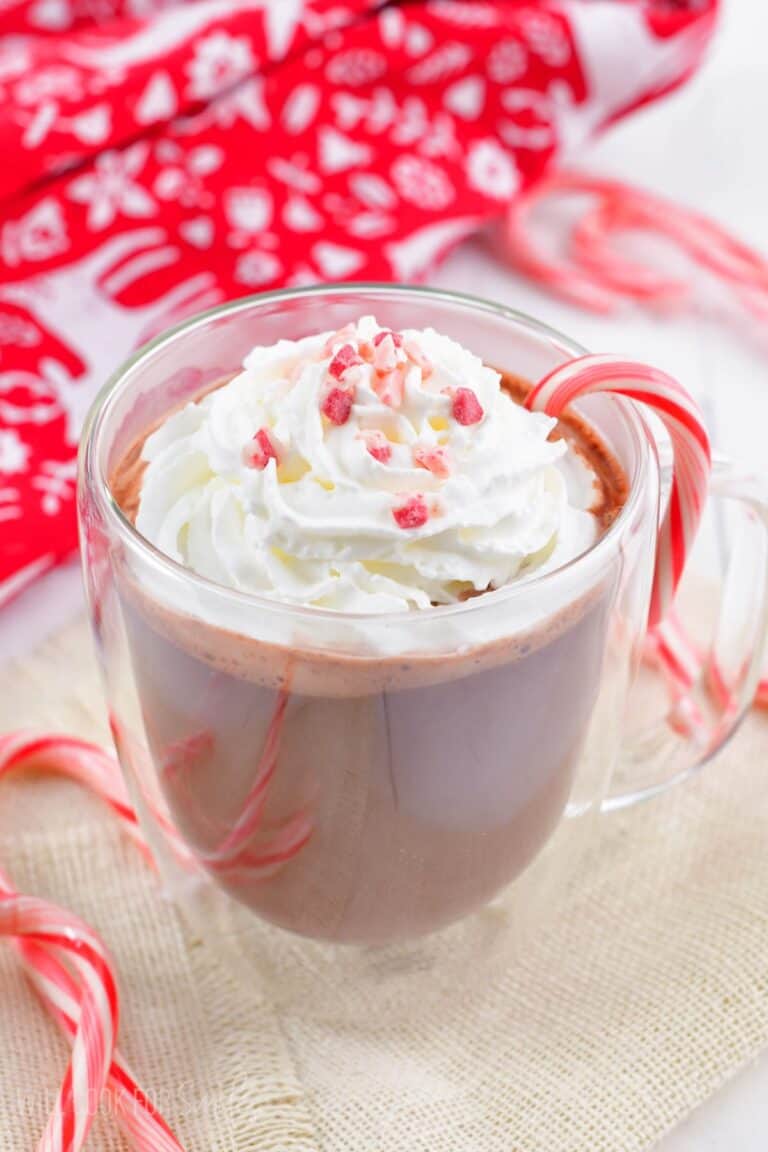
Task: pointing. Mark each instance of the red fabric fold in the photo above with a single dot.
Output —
(166, 160)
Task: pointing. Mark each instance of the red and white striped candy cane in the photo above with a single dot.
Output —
(235, 852)
(669, 649)
(595, 276)
(141, 1123)
(680, 656)
(95, 1063)
(624, 208)
(98, 770)
(680, 415)
(95, 768)
(559, 273)
(93, 1043)
(250, 817)
(78, 760)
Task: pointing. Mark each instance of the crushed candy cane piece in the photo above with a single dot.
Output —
(261, 450)
(337, 405)
(435, 460)
(377, 446)
(412, 514)
(390, 387)
(466, 407)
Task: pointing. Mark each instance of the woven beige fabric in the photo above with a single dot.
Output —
(610, 1026)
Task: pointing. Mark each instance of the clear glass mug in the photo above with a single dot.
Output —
(373, 780)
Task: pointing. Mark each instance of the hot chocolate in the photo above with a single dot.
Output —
(356, 793)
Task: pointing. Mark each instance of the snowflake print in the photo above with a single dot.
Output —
(547, 38)
(220, 61)
(15, 57)
(141, 8)
(295, 173)
(441, 139)
(110, 190)
(376, 114)
(256, 268)
(300, 109)
(55, 482)
(531, 118)
(14, 330)
(301, 276)
(420, 182)
(470, 15)
(446, 61)
(58, 82)
(25, 398)
(10, 504)
(411, 123)
(38, 235)
(356, 68)
(51, 15)
(491, 170)
(370, 189)
(244, 102)
(507, 61)
(349, 111)
(248, 209)
(367, 225)
(14, 453)
(88, 127)
(182, 177)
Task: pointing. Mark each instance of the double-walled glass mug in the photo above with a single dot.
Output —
(373, 779)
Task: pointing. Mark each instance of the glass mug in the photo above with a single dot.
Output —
(371, 780)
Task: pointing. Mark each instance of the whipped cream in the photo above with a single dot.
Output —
(364, 471)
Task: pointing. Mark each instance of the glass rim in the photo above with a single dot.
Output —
(99, 410)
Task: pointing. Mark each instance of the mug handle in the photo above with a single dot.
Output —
(714, 690)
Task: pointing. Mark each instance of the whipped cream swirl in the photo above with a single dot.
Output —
(361, 471)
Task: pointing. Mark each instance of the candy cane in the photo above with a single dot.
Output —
(625, 208)
(99, 771)
(94, 1034)
(233, 853)
(562, 275)
(597, 275)
(681, 658)
(141, 773)
(90, 765)
(139, 1120)
(669, 649)
(589, 243)
(287, 840)
(681, 417)
(95, 1063)
(78, 760)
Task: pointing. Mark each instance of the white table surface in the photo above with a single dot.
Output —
(707, 147)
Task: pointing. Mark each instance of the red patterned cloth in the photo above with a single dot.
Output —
(159, 158)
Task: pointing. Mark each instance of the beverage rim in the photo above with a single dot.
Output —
(89, 464)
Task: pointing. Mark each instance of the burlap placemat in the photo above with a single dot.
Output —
(612, 1025)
